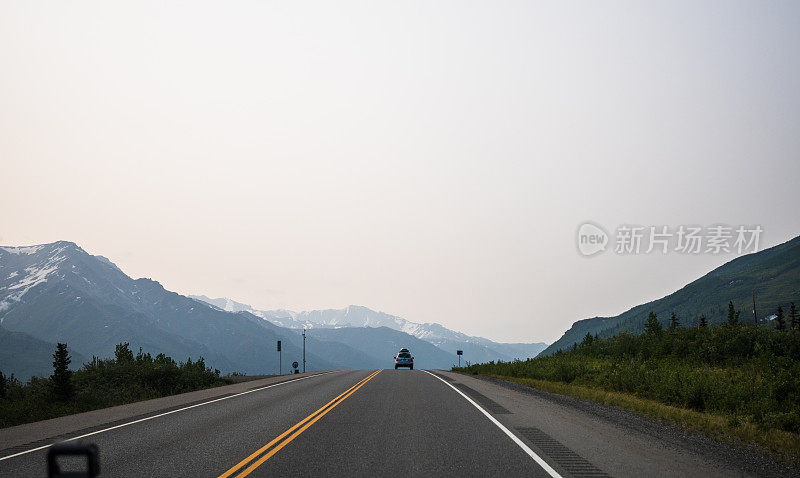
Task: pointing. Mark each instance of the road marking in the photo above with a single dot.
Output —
(519, 442)
(162, 414)
(295, 430)
(264, 448)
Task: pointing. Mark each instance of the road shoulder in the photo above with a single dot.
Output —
(590, 429)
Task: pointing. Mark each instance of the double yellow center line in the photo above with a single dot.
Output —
(258, 457)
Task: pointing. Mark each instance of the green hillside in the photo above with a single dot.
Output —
(774, 275)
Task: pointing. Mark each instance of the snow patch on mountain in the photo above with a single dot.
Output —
(27, 250)
(34, 275)
(359, 316)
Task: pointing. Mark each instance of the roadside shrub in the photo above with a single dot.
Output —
(104, 383)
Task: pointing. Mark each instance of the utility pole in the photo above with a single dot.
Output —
(304, 350)
(755, 317)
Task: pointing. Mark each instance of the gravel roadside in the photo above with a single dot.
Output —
(749, 458)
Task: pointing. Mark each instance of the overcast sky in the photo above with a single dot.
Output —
(432, 160)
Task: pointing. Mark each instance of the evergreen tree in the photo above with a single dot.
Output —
(587, 340)
(794, 319)
(733, 314)
(123, 353)
(62, 375)
(674, 323)
(652, 326)
(703, 322)
(3, 382)
(780, 323)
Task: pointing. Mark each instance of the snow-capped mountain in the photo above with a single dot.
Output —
(24, 268)
(478, 348)
(280, 317)
(350, 316)
(59, 293)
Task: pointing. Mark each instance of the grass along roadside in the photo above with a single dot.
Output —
(781, 444)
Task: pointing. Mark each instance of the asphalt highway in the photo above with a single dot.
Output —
(373, 423)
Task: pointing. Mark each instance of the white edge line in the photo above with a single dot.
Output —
(163, 414)
(519, 442)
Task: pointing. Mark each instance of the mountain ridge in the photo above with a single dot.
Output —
(773, 273)
(475, 348)
(59, 293)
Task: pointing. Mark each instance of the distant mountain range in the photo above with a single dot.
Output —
(59, 293)
(476, 349)
(773, 274)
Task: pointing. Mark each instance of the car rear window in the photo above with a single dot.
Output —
(404, 355)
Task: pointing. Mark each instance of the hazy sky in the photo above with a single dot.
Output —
(428, 159)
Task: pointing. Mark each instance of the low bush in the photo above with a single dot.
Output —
(104, 383)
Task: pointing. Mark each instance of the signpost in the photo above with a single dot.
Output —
(280, 359)
(294, 366)
(459, 353)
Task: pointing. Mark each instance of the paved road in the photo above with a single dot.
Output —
(378, 423)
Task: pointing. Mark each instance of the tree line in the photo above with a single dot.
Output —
(100, 383)
(653, 325)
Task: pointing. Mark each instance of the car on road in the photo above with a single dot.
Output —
(403, 359)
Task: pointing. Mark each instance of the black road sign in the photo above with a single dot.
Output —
(459, 352)
(279, 346)
(295, 364)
